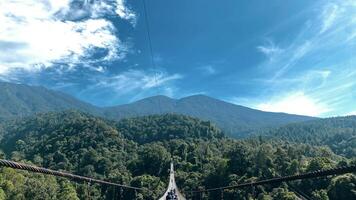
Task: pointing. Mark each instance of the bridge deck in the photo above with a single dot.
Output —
(172, 186)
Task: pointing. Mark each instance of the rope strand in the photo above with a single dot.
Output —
(26, 167)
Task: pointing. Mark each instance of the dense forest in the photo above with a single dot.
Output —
(137, 152)
(338, 133)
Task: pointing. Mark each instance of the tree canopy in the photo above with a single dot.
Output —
(137, 152)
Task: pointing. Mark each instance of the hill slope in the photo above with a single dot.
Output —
(18, 100)
(22, 100)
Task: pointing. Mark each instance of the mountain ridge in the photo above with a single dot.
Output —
(19, 100)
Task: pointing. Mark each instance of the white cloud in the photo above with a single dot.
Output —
(295, 103)
(124, 12)
(36, 34)
(100, 69)
(329, 15)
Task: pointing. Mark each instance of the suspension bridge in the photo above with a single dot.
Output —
(173, 192)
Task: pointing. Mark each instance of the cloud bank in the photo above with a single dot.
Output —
(39, 34)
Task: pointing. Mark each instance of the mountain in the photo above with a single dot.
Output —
(17, 100)
(233, 119)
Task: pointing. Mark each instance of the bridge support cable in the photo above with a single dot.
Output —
(73, 177)
(299, 193)
(315, 174)
(121, 193)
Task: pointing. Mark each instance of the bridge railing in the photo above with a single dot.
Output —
(197, 194)
(193, 194)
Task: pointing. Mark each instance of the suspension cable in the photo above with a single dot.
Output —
(150, 46)
(148, 34)
(314, 174)
(32, 168)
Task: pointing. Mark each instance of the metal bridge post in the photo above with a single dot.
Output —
(234, 194)
(121, 193)
(222, 194)
(253, 192)
(88, 188)
(114, 193)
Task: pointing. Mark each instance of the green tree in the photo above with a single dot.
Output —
(343, 187)
(283, 194)
(67, 191)
(320, 195)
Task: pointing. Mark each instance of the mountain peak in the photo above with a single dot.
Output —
(157, 98)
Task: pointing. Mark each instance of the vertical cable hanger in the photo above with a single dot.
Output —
(153, 63)
(148, 34)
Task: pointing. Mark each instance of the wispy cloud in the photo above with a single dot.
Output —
(133, 83)
(270, 49)
(208, 69)
(317, 65)
(333, 26)
(136, 79)
(36, 34)
(329, 16)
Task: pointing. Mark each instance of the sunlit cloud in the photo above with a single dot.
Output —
(124, 12)
(36, 34)
(295, 103)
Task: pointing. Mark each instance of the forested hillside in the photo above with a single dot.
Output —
(338, 133)
(137, 152)
(18, 100)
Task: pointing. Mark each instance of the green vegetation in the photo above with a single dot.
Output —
(18, 100)
(138, 151)
(339, 134)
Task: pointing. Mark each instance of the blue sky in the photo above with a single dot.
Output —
(295, 57)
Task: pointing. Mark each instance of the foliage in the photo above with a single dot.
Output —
(138, 151)
(339, 134)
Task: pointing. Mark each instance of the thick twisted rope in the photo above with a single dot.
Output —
(315, 174)
(32, 168)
